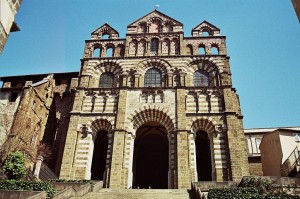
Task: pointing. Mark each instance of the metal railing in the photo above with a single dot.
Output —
(291, 162)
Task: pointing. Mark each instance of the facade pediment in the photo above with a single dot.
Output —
(155, 21)
(105, 29)
(205, 27)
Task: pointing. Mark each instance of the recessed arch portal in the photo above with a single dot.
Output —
(203, 156)
(152, 115)
(100, 128)
(99, 155)
(151, 157)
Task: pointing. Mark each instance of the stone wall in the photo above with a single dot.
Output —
(57, 124)
(7, 110)
(255, 169)
(30, 119)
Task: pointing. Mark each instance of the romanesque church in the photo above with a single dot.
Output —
(155, 109)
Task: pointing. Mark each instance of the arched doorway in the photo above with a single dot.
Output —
(99, 155)
(151, 157)
(203, 156)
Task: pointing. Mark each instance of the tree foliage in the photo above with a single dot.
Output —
(14, 166)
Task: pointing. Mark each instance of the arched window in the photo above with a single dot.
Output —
(109, 52)
(133, 47)
(97, 52)
(202, 50)
(155, 26)
(142, 28)
(189, 49)
(141, 48)
(153, 78)
(165, 47)
(168, 28)
(201, 78)
(205, 34)
(214, 50)
(154, 46)
(119, 52)
(105, 36)
(106, 80)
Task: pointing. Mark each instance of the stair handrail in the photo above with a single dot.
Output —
(291, 165)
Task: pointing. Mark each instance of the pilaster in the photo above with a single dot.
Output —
(183, 170)
(117, 172)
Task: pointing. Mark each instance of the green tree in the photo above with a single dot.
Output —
(14, 166)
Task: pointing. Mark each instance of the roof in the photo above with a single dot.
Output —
(266, 130)
(39, 76)
(105, 26)
(206, 23)
(159, 14)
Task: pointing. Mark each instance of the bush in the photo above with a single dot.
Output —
(14, 166)
(262, 184)
(27, 185)
(252, 188)
(237, 193)
(281, 196)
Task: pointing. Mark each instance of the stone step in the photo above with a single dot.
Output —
(138, 194)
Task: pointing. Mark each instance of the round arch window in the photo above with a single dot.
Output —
(106, 80)
(201, 78)
(153, 78)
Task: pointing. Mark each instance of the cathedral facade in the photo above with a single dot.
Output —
(151, 111)
(155, 109)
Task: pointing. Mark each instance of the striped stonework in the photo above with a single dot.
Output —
(179, 106)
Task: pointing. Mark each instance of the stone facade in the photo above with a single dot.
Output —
(155, 109)
(182, 106)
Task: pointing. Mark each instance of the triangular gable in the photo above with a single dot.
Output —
(205, 27)
(206, 24)
(105, 29)
(154, 14)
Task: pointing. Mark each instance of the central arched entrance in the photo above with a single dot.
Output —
(151, 157)
(99, 156)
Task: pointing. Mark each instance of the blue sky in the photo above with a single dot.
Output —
(263, 41)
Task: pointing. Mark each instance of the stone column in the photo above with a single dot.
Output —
(170, 79)
(124, 79)
(182, 78)
(182, 50)
(136, 80)
(38, 166)
(149, 47)
(159, 53)
(103, 52)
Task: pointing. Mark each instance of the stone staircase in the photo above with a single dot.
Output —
(139, 194)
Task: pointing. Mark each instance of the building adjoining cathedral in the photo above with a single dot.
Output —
(155, 109)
